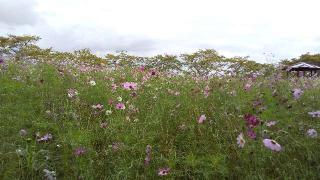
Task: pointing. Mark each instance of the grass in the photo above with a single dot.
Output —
(34, 97)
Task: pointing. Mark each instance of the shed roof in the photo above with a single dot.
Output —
(303, 66)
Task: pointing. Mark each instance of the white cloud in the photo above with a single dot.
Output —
(143, 27)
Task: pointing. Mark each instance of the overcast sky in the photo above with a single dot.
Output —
(255, 28)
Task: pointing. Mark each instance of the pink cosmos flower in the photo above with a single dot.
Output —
(130, 86)
(297, 93)
(271, 123)
(141, 68)
(247, 87)
(98, 106)
(120, 106)
(79, 151)
(202, 118)
(114, 87)
(46, 137)
(312, 133)
(163, 171)
(240, 140)
(272, 144)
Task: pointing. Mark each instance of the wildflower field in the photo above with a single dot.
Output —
(140, 123)
(195, 116)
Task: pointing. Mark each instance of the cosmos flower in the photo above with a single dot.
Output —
(92, 83)
(251, 134)
(130, 86)
(114, 87)
(271, 123)
(98, 106)
(120, 106)
(108, 112)
(297, 93)
(141, 68)
(247, 86)
(272, 144)
(49, 175)
(240, 140)
(72, 93)
(312, 133)
(46, 137)
(153, 72)
(23, 132)
(79, 151)
(202, 118)
(251, 120)
(163, 171)
(104, 125)
(315, 114)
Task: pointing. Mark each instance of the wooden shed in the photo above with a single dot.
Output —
(304, 69)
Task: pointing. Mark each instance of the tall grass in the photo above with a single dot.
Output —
(163, 114)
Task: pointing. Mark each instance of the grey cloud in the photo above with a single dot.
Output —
(18, 12)
(97, 39)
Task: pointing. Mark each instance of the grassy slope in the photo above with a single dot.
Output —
(200, 151)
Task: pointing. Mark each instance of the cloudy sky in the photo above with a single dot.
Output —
(265, 30)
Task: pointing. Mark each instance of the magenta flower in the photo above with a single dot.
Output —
(251, 134)
(130, 86)
(79, 151)
(297, 93)
(272, 144)
(163, 171)
(251, 120)
(120, 106)
(202, 118)
(141, 68)
(153, 72)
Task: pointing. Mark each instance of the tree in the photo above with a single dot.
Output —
(13, 46)
(203, 62)
(308, 58)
